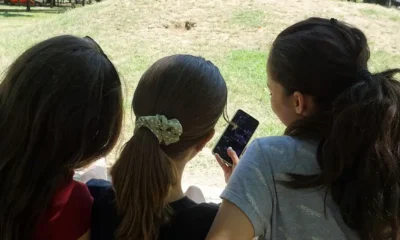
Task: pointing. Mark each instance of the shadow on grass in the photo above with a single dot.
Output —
(49, 11)
(22, 9)
(11, 15)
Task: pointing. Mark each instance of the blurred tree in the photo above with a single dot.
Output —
(384, 2)
(387, 3)
(28, 5)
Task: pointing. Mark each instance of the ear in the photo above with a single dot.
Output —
(303, 104)
(203, 142)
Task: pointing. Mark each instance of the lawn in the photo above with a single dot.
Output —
(234, 34)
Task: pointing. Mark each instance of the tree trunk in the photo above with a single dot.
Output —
(382, 2)
(28, 5)
(19, 3)
(83, 2)
(389, 3)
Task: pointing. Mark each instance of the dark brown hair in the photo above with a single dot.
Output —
(183, 87)
(60, 109)
(358, 121)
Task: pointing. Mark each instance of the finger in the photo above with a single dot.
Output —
(232, 154)
(221, 163)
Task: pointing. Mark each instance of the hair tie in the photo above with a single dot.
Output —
(96, 45)
(364, 75)
(333, 21)
(166, 131)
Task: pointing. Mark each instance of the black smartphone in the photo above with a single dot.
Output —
(237, 135)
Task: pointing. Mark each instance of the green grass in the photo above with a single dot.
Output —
(248, 18)
(17, 26)
(247, 65)
(382, 60)
(395, 17)
(18, 14)
(369, 12)
(244, 72)
(378, 13)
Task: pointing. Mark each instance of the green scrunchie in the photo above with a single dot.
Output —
(167, 131)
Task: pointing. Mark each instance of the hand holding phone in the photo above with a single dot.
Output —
(236, 136)
(228, 170)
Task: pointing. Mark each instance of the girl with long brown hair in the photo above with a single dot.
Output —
(177, 104)
(60, 109)
(336, 172)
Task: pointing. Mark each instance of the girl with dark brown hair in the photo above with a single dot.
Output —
(336, 172)
(177, 104)
(60, 109)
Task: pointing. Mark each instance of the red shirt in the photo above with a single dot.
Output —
(69, 215)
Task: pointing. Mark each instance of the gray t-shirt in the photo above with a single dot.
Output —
(275, 211)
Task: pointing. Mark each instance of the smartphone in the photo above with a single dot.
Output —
(236, 135)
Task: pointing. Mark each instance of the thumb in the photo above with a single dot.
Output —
(232, 154)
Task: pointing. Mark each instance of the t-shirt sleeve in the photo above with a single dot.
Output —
(250, 188)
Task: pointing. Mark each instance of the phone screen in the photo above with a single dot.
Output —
(237, 135)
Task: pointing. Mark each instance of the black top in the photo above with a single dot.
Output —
(189, 221)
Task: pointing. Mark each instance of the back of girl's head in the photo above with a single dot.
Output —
(183, 87)
(357, 119)
(318, 57)
(60, 109)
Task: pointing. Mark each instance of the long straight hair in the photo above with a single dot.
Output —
(357, 120)
(183, 87)
(60, 109)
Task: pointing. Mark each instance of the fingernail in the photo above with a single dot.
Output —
(230, 149)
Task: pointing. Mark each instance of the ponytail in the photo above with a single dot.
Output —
(142, 178)
(360, 156)
(360, 159)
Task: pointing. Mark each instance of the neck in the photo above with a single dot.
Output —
(176, 191)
